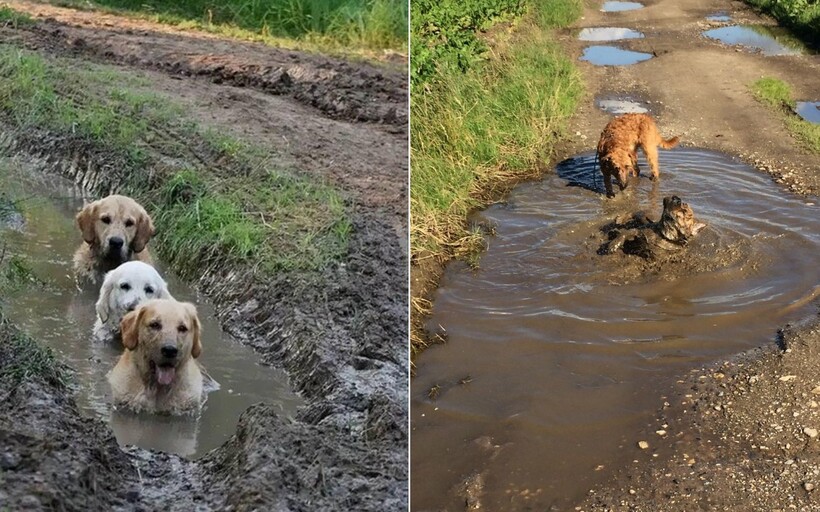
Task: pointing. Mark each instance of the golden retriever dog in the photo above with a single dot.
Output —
(123, 289)
(158, 373)
(618, 148)
(115, 229)
(647, 239)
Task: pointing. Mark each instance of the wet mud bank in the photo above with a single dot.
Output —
(739, 435)
(339, 333)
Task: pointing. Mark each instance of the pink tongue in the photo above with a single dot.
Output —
(165, 375)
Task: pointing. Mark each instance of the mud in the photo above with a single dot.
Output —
(339, 334)
(766, 40)
(613, 56)
(808, 110)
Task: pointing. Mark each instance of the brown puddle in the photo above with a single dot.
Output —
(556, 358)
(62, 317)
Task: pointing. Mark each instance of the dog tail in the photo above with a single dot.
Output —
(670, 143)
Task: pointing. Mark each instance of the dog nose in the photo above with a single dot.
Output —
(115, 242)
(169, 351)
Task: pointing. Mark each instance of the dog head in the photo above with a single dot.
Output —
(126, 287)
(621, 164)
(678, 222)
(163, 335)
(116, 226)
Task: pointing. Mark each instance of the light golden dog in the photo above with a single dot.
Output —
(115, 229)
(618, 148)
(158, 373)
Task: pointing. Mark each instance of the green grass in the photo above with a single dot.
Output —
(9, 16)
(227, 204)
(801, 16)
(477, 131)
(352, 24)
(778, 95)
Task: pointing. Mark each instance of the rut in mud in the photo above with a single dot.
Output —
(555, 360)
(338, 333)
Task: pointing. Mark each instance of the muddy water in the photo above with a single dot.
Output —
(612, 56)
(768, 40)
(613, 6)
(808, 110)
(62, 317)
(556, 357)
(608, 34)
(617, 106)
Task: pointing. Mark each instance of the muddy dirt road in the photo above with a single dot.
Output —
(697, 88)
(339, 333)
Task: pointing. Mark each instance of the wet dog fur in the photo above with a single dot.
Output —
(642, 237)
(158, 372)
(123, 289)
(618, 148)
(115, 229)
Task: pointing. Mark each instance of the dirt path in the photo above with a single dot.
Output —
(738, 436)
(698, 88)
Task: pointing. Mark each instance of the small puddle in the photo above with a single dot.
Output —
(767, 40)
(62, 318)
(608, 34)
(613, 56)
(808, 110)
(556, 357)
(620, 6)
(720, 17)
(618, 106)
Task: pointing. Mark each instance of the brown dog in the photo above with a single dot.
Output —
(158, 373)
(647, 239)
(115, 229)
(618, 148)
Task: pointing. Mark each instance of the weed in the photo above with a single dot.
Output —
(778, 95)
(9, 16)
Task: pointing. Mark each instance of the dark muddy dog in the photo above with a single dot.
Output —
(642, 237)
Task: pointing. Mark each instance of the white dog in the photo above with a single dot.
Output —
(123, 289)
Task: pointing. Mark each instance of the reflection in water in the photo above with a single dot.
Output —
(613, 56)
(560, 356)
(62, 317)
(618, 106)
(809, 110)
(608, 34)
(768, 40)
(614, 6)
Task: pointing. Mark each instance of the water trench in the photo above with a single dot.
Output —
(608, 34)
(613, 6)
(769, 41)
(557, 358)
(62, 318)
(808, 110)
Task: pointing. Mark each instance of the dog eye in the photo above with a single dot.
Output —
(149, 290)
(129, 223)
(106, 219)
(125, 286)
(182, 328)
(155, 325)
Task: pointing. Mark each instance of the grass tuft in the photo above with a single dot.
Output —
(15, 19)
(778, 95)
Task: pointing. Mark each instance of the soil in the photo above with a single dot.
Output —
(339, 334)
(731, 436)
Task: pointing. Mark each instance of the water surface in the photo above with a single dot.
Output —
(612, 6)
(612, 56)
(557, 358)
(767, 40)
(608, 34)
(808, 110)
(62, 317)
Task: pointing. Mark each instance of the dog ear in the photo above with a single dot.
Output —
(196, 328)
(85, 221)
(145, 230)
(103, 309)
(666, 202)
(129, 327)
